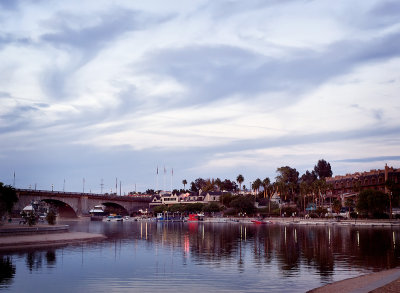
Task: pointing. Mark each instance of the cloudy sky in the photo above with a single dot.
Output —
(113, 89)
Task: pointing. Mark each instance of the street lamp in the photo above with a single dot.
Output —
(52, 186)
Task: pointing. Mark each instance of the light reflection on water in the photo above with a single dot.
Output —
(198, 257)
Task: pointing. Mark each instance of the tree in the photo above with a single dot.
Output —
(227, 198)
(8, 197)
(228, 185)
(393, 190)
(244, 204)
(319, 189)
(160, 209)
(240, 179)
(287, 181)
(256, 185)
(212, 207)
(266, 183)
(349, 203)
(372, 202)
(336, 206)
(306, 185)
(184, 182)
(193, 187)
(194, 207)
(323, 169)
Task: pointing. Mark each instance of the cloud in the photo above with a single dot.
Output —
(9, 4)
(370, 159)
(236, 85)
(384, 13)
(83, 42)
(9, 39)
(222, 9)
(210, 73)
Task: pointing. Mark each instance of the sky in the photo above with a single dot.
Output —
(110, 91)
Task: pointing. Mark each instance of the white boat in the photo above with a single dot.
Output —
(113, 218)
(97, 213)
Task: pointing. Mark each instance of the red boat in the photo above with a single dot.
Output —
(259, 222)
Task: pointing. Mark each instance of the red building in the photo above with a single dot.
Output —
(350, 185)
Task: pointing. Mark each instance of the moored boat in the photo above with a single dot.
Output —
(114, 218)
(259, 222)
(97, 213)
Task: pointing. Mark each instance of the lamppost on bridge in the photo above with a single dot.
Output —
(52, 186)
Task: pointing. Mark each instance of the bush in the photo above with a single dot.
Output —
(262, 201)
(288, 211)
(320, 211)
(212, 207)
(244, 204)
(51, 217)
(353, 215)
(372, 202)
(31, 219)
(275, 212)
(230, 212)
(378, 215)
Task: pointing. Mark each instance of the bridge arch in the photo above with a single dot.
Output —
(64, 209)
(115, 208)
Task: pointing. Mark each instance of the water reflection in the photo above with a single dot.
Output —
(261, 255)
(7, 271)
(291, 246)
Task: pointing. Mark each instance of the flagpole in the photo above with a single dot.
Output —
(157, 180)
(172, 175)
(165, 171)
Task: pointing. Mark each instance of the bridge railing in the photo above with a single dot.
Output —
(75, 194)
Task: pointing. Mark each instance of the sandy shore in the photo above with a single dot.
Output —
(380, 282)
(17, 242)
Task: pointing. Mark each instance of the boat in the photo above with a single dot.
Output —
(97, 213)
(166, 217)
(113, 218)
(259, 222)
(195, 217)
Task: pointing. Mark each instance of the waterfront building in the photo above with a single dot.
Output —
(349, 185)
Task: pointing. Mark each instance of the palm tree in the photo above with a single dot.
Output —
(240, 180)
(256, 185)
(184, 182)
(266, 183)
(267, 188)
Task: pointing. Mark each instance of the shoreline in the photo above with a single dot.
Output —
(377, 282)
(21, 242)
(310, 222)
(16, 237)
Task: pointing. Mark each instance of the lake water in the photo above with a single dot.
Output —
(201, 257)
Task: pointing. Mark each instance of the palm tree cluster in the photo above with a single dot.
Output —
(311, 186)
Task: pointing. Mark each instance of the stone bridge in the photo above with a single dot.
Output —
(80, 204)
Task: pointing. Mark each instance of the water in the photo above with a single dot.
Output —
(201, 257)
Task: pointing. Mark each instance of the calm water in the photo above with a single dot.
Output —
(201, 257)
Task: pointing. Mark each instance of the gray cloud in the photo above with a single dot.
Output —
(8, 39)
(370, 159)
(83, 44)
(9, 4)
(216, 72)
(294, 139)
(384, 13)
(222, 9)
(18, 118)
